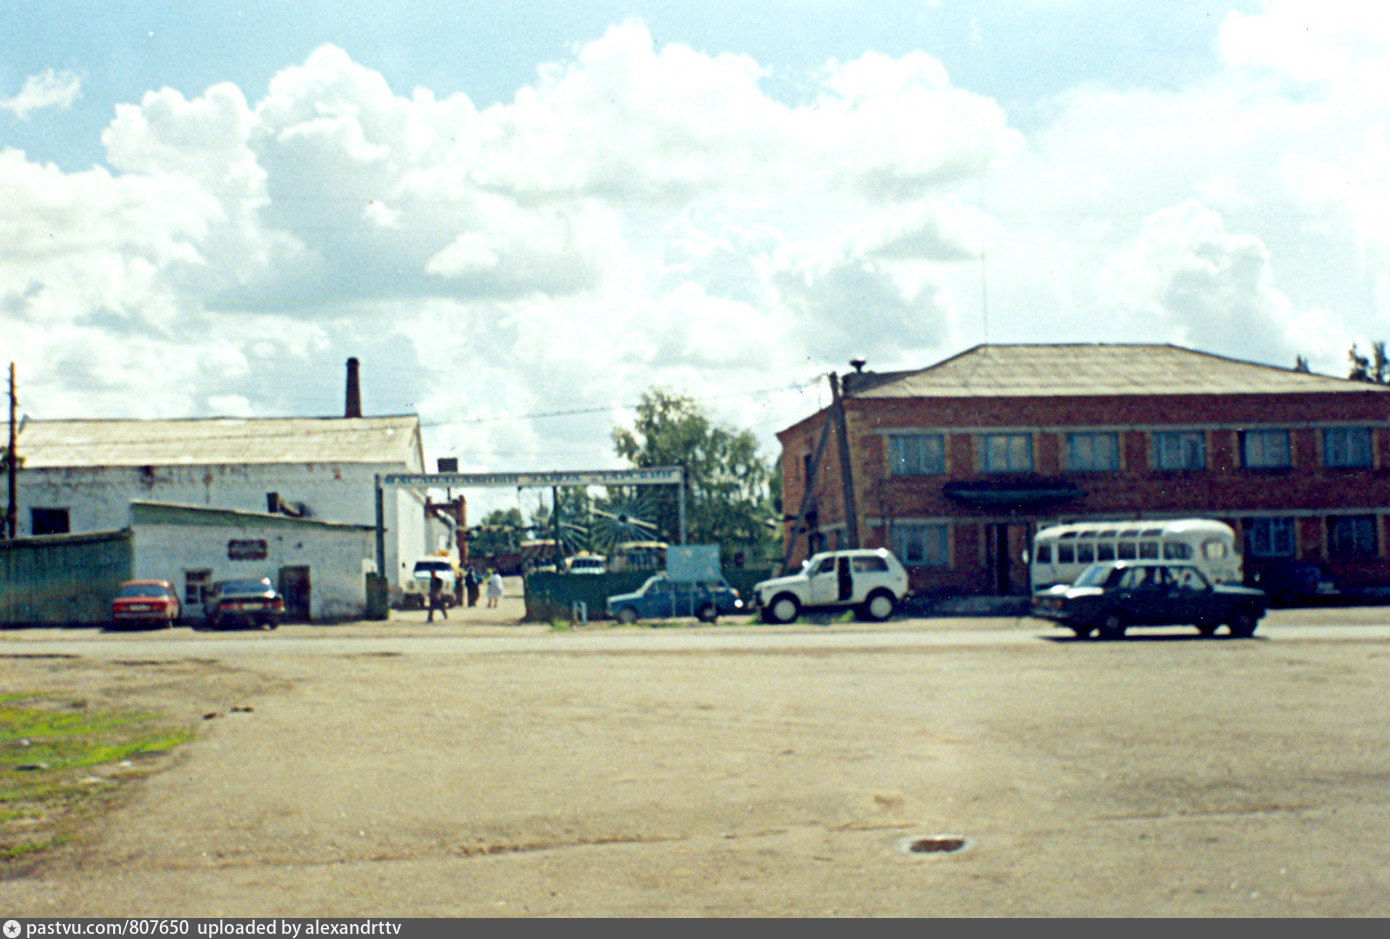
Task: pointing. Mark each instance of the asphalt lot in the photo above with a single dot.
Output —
(485, 768)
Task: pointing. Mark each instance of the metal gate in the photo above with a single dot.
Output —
(63, 580)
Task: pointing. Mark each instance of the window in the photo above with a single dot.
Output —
(48, 522)
(1346, 447)
(921, 545)
(871, 564)
(1006, 453)
(1180, 450)
(1043, 554)
(1351, 536)
(1265, 449)
(1177, 551)
(916, 455)
(1269, 537)
(1091, 453)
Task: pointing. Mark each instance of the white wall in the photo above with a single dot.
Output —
(335, 557)
(98, 498)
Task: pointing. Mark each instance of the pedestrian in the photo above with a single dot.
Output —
(437, 598)
(470, 583)
(494, 588)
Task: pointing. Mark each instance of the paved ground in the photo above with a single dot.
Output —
(1160, 776)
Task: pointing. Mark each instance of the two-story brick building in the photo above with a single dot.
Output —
(956, 466)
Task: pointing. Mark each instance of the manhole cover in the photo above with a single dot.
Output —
(934, 844)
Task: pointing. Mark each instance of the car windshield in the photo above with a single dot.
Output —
(245, 586)
(1094, 575)
(653, 583)
(428, 567)
(142, 590)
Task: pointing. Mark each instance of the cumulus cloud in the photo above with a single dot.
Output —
(48, 89)
(645, 213)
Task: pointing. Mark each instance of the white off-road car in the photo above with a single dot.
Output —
(870, 581)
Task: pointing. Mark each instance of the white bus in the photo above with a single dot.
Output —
(1061, 552)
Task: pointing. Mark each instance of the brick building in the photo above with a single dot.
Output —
(956, 466)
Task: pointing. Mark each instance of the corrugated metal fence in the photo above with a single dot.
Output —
(62, 580)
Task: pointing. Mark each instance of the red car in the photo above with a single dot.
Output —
(146, 603)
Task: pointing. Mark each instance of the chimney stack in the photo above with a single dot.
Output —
(354, 390)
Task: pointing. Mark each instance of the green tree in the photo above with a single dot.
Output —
(1374, 368)
(500, 531)
(728, 496)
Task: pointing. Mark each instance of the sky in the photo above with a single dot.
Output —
(521, 217)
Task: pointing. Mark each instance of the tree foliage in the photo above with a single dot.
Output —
(1374, 368)
(728, 496)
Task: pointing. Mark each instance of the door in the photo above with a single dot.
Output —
(1008, 545)
(294, 587)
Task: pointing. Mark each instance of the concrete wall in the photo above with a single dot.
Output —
(336, 558)
(98, 498)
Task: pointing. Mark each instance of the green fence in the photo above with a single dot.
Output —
(551, 597)
(62, 580)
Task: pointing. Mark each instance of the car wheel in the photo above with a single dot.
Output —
(1082, 632)
(1242, 624)
(627, 615)
(783, 609)
(707, 613)
(1112, 626)
(1207, 629)
(879, 606)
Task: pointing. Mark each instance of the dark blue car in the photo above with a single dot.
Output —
(659, 598)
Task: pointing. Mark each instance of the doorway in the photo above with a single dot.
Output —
(1008, 545)
(294, 587)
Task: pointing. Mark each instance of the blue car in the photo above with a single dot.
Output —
(659, 598)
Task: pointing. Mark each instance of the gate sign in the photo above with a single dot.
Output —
(652, 476)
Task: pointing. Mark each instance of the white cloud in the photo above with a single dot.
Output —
(48, 89)
(646, 214)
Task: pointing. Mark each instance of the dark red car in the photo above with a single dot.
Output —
(150, 603)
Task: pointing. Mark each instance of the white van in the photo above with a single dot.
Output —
(1061, 552)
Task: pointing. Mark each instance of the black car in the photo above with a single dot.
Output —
(1295, 583)
(244, 603)
(1112, 596)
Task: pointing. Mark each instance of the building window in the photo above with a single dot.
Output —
(48, 522)
(916, 455)
(921, 545)
(1269, 537)
(1006, 453)
(195, 587)
(1180, 450)
(1351, 536)
(1346, 447)
(1093, 453)
(1265, 449)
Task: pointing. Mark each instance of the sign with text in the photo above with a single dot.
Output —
(652, 476)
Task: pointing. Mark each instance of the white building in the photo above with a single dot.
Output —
(84, 475)
(320, 567)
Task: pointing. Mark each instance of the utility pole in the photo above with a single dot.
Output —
(837, 404)
(11, 464)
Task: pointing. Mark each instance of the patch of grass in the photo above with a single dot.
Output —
(59, 759)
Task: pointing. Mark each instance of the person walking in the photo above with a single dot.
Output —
(437, 598)
(494, 588)
(470, 585)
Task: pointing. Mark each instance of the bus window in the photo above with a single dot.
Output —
(1177, 551)
(1105, 551)
(1126, 551)
(1043, 554)
(1085, 553)
(1066, 554)
(1213, 550)
(1148, 550)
